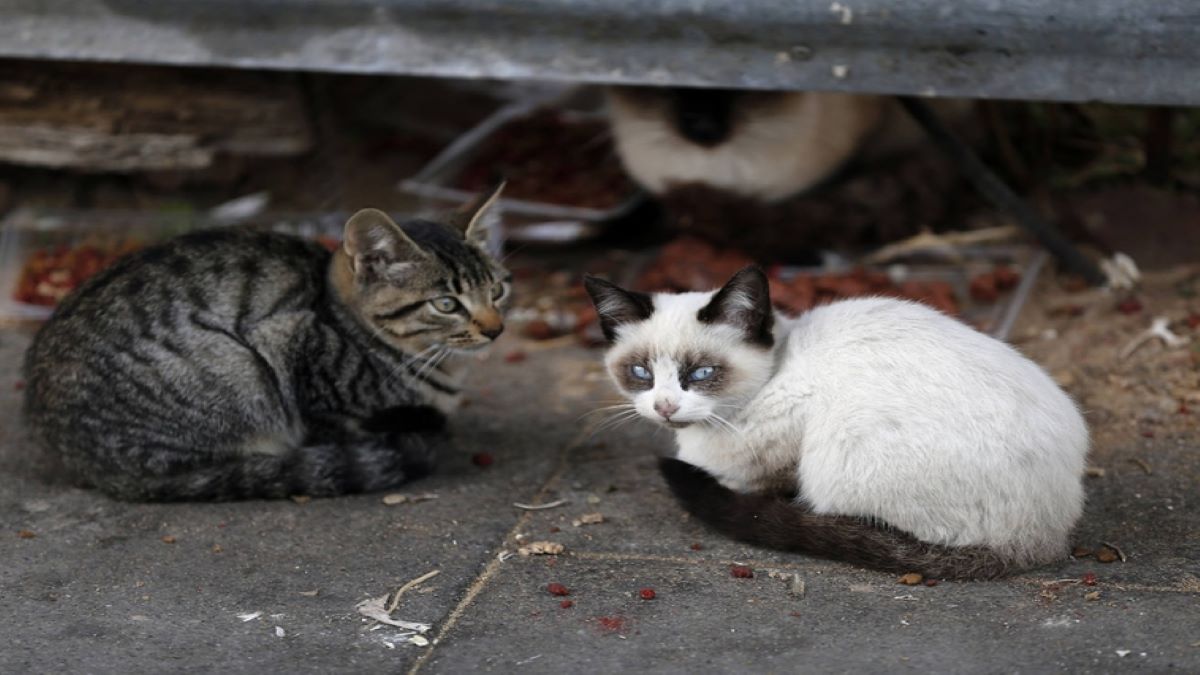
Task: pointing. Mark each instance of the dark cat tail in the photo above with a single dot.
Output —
(777, 523)
(323, 470)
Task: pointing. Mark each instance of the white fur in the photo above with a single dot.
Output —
(886, 410)
(782, 144)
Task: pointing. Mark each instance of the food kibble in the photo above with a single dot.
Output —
(1106, 555)
(1089, 578)
(482, 459)
(551, 157)
(911, 579)
(567, 604)
(697, 546)
(168, 539)
(1129, 305)
(647, 593)
(1081, 552)
(557, 589)
(741, 572)
(50, 274)
(26, 534)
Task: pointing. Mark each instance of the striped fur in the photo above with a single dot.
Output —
(233, 364)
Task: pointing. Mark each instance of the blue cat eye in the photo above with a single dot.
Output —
(701, 374)
(640, 372)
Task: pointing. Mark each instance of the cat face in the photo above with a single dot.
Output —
(689, 358)
(424, 285)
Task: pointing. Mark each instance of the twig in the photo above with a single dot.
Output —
(1119, 552)
(1159, 329)
(1142, 463)
(408, 586)
(541, 507)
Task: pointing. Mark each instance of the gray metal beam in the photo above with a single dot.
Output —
(1143, 51)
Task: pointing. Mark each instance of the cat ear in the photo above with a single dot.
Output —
(376, 244)
(616, 306)
(476, 219)
(745, 303)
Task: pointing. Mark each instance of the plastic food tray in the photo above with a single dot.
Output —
(25, 232)
(523, 220)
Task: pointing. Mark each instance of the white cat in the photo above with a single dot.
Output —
(876, 431)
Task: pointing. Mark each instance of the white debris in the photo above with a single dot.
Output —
(840, 71)
(844, 12)
(376, 608)
(1124, 652)
(279, 632)
(249, 617)
(1122, 272)
(419, 641)
(1159, 330)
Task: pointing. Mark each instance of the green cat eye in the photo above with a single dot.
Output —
(444, 304)
(497, 291)
(640, 372)
(701, 374)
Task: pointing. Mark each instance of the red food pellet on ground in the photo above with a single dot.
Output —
(482, 459)
(1130, 305)
(1193, 321)
(612, 623)
(741, 572)
(515, 357)
(697, 547)
(1148, 434)
(1089, 578)
(1183, 409)
(931, 582)
(795, 614)
(555, 529)
(19, 385)
(567, 604)
(557, 589)
(647, 593)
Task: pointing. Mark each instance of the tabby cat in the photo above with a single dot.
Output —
(233, 363)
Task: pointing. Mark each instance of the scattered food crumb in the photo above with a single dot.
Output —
(911, 579)
(647, 593)
(515, 356)
(541, 548)
(1130, 305)
(555, 529)
(1115, 549)
(1123, 653)
(397, 498)
(1081, 552)
(26, 534)
(593, 499)
(741, 572)
(19, 385)
(217, 548)
(482, 459)
(249, 617)
(301, 499)
(1089, 578)
(557, 589)
(931, 582)
(310, 594)
(567, 604)
(697, 546)
(168, 539)
(1094, 595)
(1106, 555)
(795, 614)
(588, 519)
(614, 624)
(1095, 472)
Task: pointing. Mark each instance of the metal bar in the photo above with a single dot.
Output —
(1110, 50)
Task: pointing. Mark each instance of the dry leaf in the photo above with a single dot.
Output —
(26, 534)
(1106, 555)
(911, 579)
(541, 548)
(310, 594)
(588, 519)
(376, 608)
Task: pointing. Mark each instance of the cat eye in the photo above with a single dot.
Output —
(445, 304)
(498, 291)
(640, 372)
(701, 374)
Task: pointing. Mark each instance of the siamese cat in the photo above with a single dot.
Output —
(874, 431)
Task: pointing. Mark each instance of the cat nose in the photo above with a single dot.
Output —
(492, 333)
(666, 409)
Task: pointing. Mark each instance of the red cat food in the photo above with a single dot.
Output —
(50, 274)
(551, 157)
